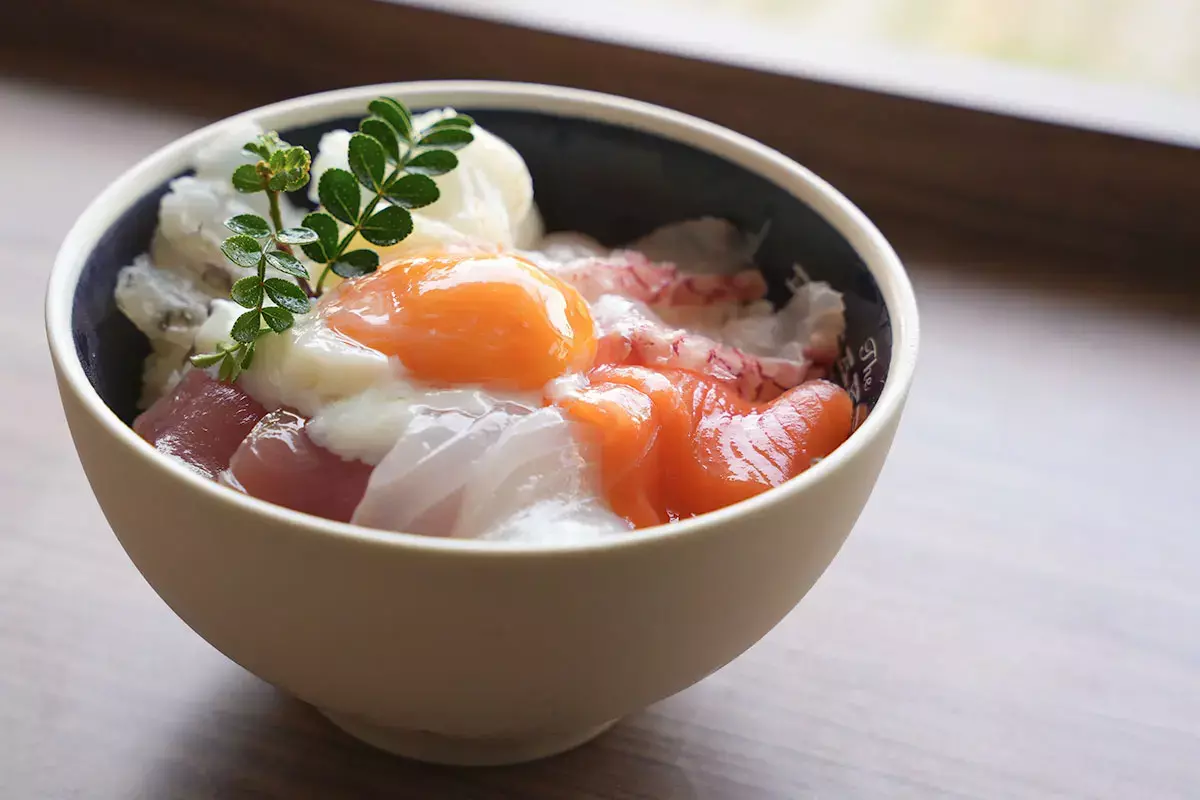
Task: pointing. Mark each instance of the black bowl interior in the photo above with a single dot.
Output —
(610, 182)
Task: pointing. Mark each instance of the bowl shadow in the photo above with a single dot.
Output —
(253, 741)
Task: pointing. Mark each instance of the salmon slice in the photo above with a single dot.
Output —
(675, 444)
(279, 463)
(201, 422)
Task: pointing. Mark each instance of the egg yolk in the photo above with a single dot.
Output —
(492, 320)
(674, 444)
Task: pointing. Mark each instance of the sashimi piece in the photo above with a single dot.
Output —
(279, 463)
(489, 470)
(537, 483)
(632, 335)
(417, 487)
(630, 274)
(626, 423)
(675, 444)
(808, 328)
(367, 426)
(201, 422)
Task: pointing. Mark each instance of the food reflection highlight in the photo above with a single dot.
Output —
(489, 380)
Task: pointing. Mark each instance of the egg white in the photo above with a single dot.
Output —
(306, 367)
(367, 425)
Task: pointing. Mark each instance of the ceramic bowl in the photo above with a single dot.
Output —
(474, 652)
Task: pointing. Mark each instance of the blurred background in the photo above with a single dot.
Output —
(1147, 42)
(1119, 61)
(1060, 127)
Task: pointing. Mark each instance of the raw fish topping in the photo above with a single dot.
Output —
(278, 461)
(676, 444)
(202, 423)
(630, 274)
(468, 375)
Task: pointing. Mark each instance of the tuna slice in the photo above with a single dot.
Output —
(201, 422)
(279, 463)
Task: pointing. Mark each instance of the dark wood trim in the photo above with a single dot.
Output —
(911, 164)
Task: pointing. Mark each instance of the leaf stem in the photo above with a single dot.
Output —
(277, 221)
(262, 283)
(276, 217)
(321, 280)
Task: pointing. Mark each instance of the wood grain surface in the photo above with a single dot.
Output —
(1060, 190)
(1017, 614)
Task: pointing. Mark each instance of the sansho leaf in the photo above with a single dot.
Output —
(458, 121)
(299, 235)
(246, 328)
(249, 224)
(257, 149)
(383, 133)
(449, 138)
(243, 250)
(204, 360)
(396, 115)
(367, 161)
(432, 162)
(412, 191)
(279, 319)
(387, 227)
(286, 294)
(339, 194)
(248, 356)
(229, 367)
(356, 263)
(287, 263)
(246, 179)
(247, 292)
(326, 228)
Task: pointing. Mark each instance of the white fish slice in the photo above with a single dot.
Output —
(536, 484)
(417, 486)
(509, 473)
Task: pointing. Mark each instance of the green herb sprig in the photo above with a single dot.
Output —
(388, 156)
(394, 162)
(259, 245)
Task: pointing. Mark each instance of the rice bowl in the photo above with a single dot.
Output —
(467, 651)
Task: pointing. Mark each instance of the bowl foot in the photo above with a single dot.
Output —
(463, 752)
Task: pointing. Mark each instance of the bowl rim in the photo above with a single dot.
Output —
(175, 157)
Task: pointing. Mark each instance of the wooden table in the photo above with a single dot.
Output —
(1016, 615)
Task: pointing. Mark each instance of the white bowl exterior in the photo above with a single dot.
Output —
(467, 646)
(468, 638)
